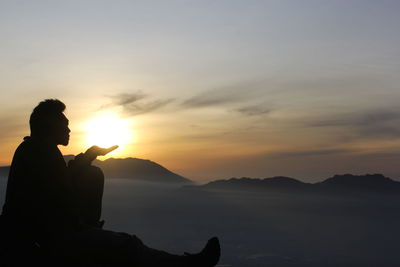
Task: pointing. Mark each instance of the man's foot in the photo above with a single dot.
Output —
(208, 257)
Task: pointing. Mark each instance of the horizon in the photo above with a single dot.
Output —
(311, 180)
(211, 89)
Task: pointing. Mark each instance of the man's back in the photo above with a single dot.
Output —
(38, 190)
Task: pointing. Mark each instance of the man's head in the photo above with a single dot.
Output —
(49, 123)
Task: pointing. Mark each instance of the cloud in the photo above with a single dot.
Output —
(127, 99)
(283, 93)
(134, 109)
(232, 94)
(360, 118)
(381, 123)
(310, 153)
(133, 104)
(377, 123)
(254, 110)
(229, 97)
(385, 154)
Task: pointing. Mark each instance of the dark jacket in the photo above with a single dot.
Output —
(39, 197)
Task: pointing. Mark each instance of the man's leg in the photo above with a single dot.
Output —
(88, 190)
(104, 247)
(110, 248)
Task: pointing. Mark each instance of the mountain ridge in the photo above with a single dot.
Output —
(138, 169)
(147, 170)
(130, 168)
(345, 183)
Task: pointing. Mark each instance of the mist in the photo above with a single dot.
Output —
(256, 229)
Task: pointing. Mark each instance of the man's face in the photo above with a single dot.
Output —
(61, 131)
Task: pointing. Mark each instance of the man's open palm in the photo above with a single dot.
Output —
(95, 151)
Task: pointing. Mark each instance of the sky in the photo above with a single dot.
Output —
(213, 89)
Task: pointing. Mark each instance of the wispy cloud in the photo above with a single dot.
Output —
(314, 152)
(127, 98)
(254, 110)
(136, 103)
(378, 123)
(232, 94)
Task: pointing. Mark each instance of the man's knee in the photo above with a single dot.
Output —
(91, 179)
(94, 173)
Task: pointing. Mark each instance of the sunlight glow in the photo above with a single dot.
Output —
(108, 130)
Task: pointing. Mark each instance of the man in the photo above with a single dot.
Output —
(57, 207)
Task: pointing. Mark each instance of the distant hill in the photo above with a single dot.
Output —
(360, 183)
(139, 169)
(130, 168)
(278, 183)
(347, 183)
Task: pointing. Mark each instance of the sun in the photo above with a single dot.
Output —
(108, 130)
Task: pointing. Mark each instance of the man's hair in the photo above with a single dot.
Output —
(45, 115)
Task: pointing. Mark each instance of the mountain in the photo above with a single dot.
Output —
(138, 169)
(278, 183)
(129, 168)
(360, 183)
(343, 184)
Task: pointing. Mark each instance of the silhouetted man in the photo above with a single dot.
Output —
(57, 207)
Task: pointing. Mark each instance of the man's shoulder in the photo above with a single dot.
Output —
(31, 149)
(24, 151)
(26, 145)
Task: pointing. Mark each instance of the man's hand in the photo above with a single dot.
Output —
(85, 159)
(95, 151)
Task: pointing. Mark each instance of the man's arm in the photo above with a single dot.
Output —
(86, 159)
(88, 185)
